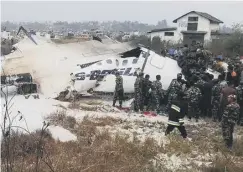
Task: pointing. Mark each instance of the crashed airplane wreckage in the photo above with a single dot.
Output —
(98, 77)
(49, 63)
(94, 74)
(21, 83)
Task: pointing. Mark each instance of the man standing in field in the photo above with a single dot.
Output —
(229, 119)
(118, 93)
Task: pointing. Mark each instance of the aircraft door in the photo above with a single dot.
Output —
(154, 66)
(157, 61)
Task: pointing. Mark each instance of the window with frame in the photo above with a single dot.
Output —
(193, 19)
(134, 61)
(124, 62)
(169, 33)
(109, 61)
(99, 63)
(192, 26)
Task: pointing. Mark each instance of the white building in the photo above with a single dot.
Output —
(192, 26)
(166, 34)
(126, 37)
(6, 35)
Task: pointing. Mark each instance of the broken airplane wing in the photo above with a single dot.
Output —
(26, 33)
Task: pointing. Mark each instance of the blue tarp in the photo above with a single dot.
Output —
(171, 51)
(220, 57)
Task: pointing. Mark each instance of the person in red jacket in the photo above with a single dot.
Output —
(177, 112)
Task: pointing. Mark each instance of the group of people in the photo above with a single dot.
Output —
(216, 98)
(147, 94)
(199, 96)
(221, 98)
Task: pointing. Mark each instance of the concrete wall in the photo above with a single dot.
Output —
(203, 25)
(162, 36)
(214, 26)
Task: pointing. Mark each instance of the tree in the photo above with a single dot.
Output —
(143, 39)
(162, 24)
(234, 43)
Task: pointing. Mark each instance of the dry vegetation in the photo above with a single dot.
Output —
(206, 146)
(97, 150)
(91, 105)
(61, 118)
(94, 151)
(74, 105)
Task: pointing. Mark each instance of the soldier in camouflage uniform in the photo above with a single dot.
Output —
(181, 60)
(193, 96)
(200, 82)
(157, 92)
(216, 90)
(191, 61)
(203, 57)
(239, 92)
(229, 119)
(145, 90)
(195, 60)
(138, 97)
(118, 93)
(174, 88)
(152, 98)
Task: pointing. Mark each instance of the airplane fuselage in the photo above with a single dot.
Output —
(102, 72)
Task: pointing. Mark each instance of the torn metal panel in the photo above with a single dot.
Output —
(27, 88)
(27, 34)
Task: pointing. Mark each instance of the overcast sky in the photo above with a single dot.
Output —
(146, 12)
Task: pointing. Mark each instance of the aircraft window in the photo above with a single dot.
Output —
(124, 62)
(134, 61)
(99, 63)
(109, 61)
